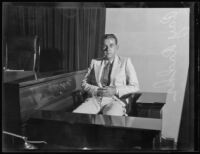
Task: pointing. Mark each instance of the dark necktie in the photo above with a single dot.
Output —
(105, 78)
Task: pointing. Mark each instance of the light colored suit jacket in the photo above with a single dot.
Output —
(123, 76)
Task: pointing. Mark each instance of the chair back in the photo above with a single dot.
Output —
(22, 53)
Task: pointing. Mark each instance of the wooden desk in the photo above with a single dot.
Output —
(102, 132)
(40, 110)
(150, 104)
(25, 95)
(74, 130)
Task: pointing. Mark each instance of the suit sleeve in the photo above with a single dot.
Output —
(132, 84)
(86, 86)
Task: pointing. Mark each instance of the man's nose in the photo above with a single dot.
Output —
(107, 49)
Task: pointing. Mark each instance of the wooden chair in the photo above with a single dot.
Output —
(22, 53)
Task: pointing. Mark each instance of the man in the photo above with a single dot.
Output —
(108, 79)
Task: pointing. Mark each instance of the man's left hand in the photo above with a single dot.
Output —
(109, 91)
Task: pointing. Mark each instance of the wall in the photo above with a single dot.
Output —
(157, 40)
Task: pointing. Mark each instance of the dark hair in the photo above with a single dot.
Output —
(107, 36)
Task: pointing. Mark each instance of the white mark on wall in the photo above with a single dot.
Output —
(170, 53)
(171, 19)
(168, 83)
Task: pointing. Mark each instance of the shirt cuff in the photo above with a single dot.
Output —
(117, 92)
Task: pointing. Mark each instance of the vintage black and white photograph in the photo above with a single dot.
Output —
(99, 76)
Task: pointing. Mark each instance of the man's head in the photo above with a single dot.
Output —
(110, 46)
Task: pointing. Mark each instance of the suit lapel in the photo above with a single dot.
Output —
(98, 71)
(116, 66)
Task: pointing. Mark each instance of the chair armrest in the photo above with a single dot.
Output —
(131, 95)
(131, 107)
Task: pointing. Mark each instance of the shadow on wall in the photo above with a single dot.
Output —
(50, 60)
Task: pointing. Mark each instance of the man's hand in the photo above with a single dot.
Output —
(106, 91)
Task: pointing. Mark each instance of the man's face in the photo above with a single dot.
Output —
(110, 48)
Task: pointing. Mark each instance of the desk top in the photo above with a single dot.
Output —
(16, 75)
(98, 119)
(152, 97)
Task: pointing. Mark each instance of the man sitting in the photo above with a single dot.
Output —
(106, 80)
